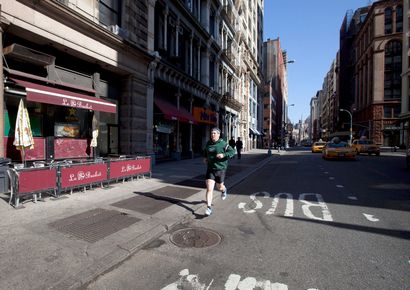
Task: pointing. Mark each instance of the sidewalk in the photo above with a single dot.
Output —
(65, 243)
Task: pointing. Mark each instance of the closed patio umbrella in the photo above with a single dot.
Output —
(23, 136)
(95, 125)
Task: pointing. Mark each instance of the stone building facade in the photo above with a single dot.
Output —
(96, 47)
(207, 68)
(378, 66)
(405, 94)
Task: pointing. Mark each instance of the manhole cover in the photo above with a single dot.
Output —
(195, 238)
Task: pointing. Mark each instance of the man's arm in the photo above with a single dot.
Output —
(229, 151)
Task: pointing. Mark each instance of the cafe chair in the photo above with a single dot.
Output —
(14, 183)
(13, 178)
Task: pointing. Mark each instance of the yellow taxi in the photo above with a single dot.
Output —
(338, 150)
(366, 146)
(318, 146)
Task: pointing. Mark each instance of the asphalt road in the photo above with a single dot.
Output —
(300, 222)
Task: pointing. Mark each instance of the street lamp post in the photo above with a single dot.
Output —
(351, 124)
(284, 122)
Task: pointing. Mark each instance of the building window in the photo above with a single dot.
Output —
(392, 70)
(188, 4)
(212, 20)
(212, 74)
(391, 111)
(110, 12)
(159, 42)
(388, 21)
(399, 19)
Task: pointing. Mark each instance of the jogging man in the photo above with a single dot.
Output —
(216, 155)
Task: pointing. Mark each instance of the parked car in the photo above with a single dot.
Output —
(366, 146)
(318, 147)
(408, 156)
(338, 150)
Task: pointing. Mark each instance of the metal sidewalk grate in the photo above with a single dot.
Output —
(94, 225)
(196, 181)
(156, 200)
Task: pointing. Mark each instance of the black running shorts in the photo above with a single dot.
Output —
(217, 175)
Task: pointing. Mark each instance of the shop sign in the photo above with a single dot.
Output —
(163, 129)
(83, 174)
(391, 127)
(131, 167)
(206, 116)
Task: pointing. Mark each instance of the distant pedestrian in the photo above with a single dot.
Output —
(216, 155)
(239, 146)
(232, 142)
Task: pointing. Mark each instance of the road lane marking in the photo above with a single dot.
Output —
(249, 283)
(234, 282)
(258, 204)
(352, 197)
(371, 217)
(289, 209)
(186, 278)
(326, 172)
(331, 178)
(307, 204)
(339, 186)
(289, 204)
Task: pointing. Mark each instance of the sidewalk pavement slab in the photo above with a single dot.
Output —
(37, 255)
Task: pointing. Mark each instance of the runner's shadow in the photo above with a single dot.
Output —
(180, 202)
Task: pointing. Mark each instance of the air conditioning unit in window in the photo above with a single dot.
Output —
(118, 31)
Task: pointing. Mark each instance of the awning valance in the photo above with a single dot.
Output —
(55, 96)
(254, 132)
(171, 112)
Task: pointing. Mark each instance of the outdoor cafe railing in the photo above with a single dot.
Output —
(65, 176)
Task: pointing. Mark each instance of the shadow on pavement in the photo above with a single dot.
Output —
(405, 235)
(182, 203)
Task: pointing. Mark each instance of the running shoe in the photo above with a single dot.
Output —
(208, 211)
(224, 194)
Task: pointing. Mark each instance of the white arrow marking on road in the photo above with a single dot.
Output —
(352, 197)
(371, 217)
(307, 204)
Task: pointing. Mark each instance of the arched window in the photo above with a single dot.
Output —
(399, 18)
(388, 20)
(392, 70)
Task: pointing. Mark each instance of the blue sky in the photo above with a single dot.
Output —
(309, 31)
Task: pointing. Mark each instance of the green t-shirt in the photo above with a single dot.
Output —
(212, 149)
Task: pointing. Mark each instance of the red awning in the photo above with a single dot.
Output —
(171, 112)
(50, 95)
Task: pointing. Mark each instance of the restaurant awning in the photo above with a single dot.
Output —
(171, 112)
(254, 132)
(60, 97)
